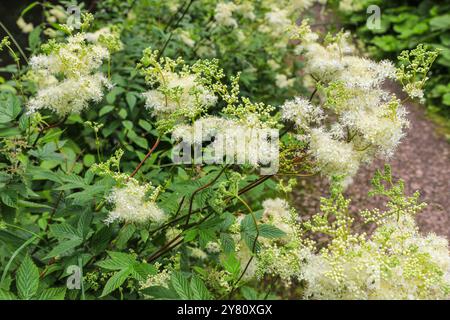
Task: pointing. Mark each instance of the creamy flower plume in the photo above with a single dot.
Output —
(232, 141)
(396, 263)
(224, 14)
(67, 77)
(135, 203)
(358, 119)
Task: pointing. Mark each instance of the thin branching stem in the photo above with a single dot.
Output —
(145, 158)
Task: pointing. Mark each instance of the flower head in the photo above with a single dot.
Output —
(135, 203)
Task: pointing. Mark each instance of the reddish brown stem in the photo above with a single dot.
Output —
(178, 240)
(191, 201)
(145, 158)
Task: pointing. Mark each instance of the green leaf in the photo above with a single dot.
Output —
(64, 247)
(64, 231)
(115, 281)
(84, 223)
(9, 132)
(198, 289)
(88, 160)
(227, 242)
(181, 285)
(48, 152)
(410, 27)
(118, 261)
(160, 292)
(249, 293)
(440, 22)
(35, 205)
(9, 108)
(123, 113)
(387, 43)
(249, 239)
(232, 264)
(38, 173)
(145, 125)
(53, 294)
(125, 234)
(9, 199)
(190, 235)
(105, 110)
(111, 96)
(248, 224)
(140, 141)
(6, 295)
(131, 100)
(34, 38)
(205, 236)
(101, 239)
(127, 124)
(445, 39)
(27, 279)
(142, 271)
(87, 195)
(270, 231)
(446, 99)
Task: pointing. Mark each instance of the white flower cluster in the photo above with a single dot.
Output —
(236, 141)
(396, 263)
(224, 14)
(160, 279)
(268, 20)
(350, 5)
(280, 257)
(68, 77)
(213, 247)
(56, 14)
(278, 213)
(94, 37)
(275, 17)
(276, 22)
(334, 157)
(301, 112)
(224, 11)
(282, 81)
(108, 37)
(357, 119)
(186, 38)
(24, 26)
(135, 203)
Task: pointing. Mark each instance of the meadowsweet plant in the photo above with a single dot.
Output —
(180, 101)
(152, 154)
(67, 75)
(246, 36)
(394, 262)
(414, 68)
(354, 118)
(179, 95)
(402, 26)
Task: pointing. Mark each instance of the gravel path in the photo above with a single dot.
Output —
(422, 160)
